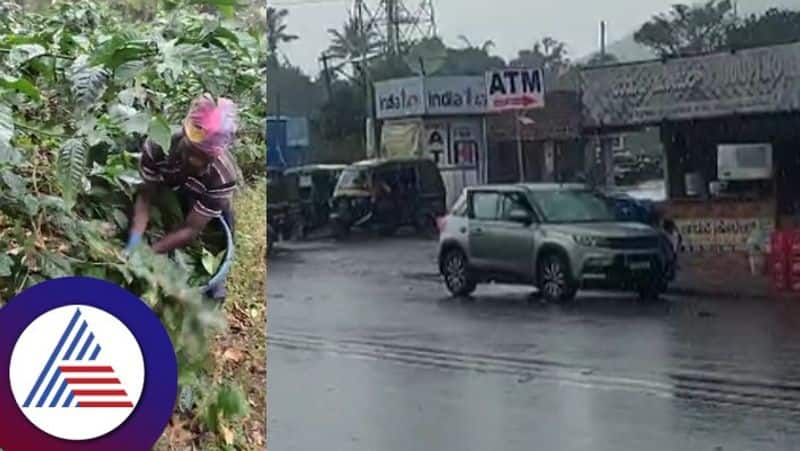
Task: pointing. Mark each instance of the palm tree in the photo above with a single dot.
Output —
(276, 30)
(486, 47)
(351, 43)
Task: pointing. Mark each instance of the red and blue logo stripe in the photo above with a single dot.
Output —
(73, 368)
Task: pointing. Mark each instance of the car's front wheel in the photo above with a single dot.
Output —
(651, 291)
(555, 281)
(456, 274)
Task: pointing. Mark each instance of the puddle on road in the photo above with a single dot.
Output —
(422, 276)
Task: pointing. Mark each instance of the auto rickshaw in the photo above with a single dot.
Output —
(387, 194)
(316, 184)
(284, 216)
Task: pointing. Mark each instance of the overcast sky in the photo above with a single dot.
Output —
(511, 24)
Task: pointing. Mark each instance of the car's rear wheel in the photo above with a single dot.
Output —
(456, 274)
(298, 232)
(270, 239)
(340, 230)
(387, 230)
(555, 281)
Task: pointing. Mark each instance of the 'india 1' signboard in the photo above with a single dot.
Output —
(514, 89)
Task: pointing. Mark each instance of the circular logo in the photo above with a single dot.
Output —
(79, 358)
(89, 367)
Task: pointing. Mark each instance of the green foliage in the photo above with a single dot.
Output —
(713, 26)
(276, 30)
(600, 59)
(774, 27)
(687, 30)
(229, 403)
(350, 44)
(70, 169)
(158, 130)
(88, 82)
(7, 153)
(80, 87)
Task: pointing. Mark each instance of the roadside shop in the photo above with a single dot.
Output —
(551, 142)
(730, 127)
(441, 118)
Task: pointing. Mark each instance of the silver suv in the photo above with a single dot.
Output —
(558, 238)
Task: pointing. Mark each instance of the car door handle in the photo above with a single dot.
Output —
(477, 231)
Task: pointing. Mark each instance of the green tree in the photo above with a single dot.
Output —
(548, 52)
(470, 59)
(599, 59)
(550, 55)
(774, 27)
(351, 43)
(291, 92)
(687, 30)
(276, 31)
(486, 47)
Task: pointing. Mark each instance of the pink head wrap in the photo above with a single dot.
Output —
(211, 126)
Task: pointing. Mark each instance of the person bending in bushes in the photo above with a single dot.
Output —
(199, 167)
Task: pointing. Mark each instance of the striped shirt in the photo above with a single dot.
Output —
(212, 189)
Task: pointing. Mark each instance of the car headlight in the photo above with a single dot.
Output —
(590, 241)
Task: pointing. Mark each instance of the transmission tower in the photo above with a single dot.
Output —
(395, 22)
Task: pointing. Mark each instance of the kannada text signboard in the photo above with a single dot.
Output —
(514, 89)
(762, 80)
(719, 234)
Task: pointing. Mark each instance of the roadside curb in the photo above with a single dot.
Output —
(765, 295)
(712, 293)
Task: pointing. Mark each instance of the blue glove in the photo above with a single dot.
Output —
(133, 241)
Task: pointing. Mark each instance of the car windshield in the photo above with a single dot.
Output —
(565, 206)
(352, 179)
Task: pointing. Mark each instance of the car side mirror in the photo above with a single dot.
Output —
(521, 216)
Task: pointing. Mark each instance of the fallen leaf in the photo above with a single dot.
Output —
(259, 437)
(227, 435)
(233, 355)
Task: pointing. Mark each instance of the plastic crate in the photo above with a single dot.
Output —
(792, 242)
(778, 243)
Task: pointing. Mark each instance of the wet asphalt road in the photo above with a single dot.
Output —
(368, 352)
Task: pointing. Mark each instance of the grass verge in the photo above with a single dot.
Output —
(239, 354)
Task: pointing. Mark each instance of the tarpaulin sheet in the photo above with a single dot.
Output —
(401, 139)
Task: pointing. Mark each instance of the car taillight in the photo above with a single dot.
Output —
(441, 222)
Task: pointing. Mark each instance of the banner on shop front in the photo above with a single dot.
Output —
(762, 80)
(701, 235)
(401, 138)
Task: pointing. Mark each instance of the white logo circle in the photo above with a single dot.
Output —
(77, 372)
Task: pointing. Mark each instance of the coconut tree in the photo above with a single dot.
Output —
(486, 47)
(276, 30)
(351, 43)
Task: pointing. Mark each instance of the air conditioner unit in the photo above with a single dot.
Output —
(744, 161)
